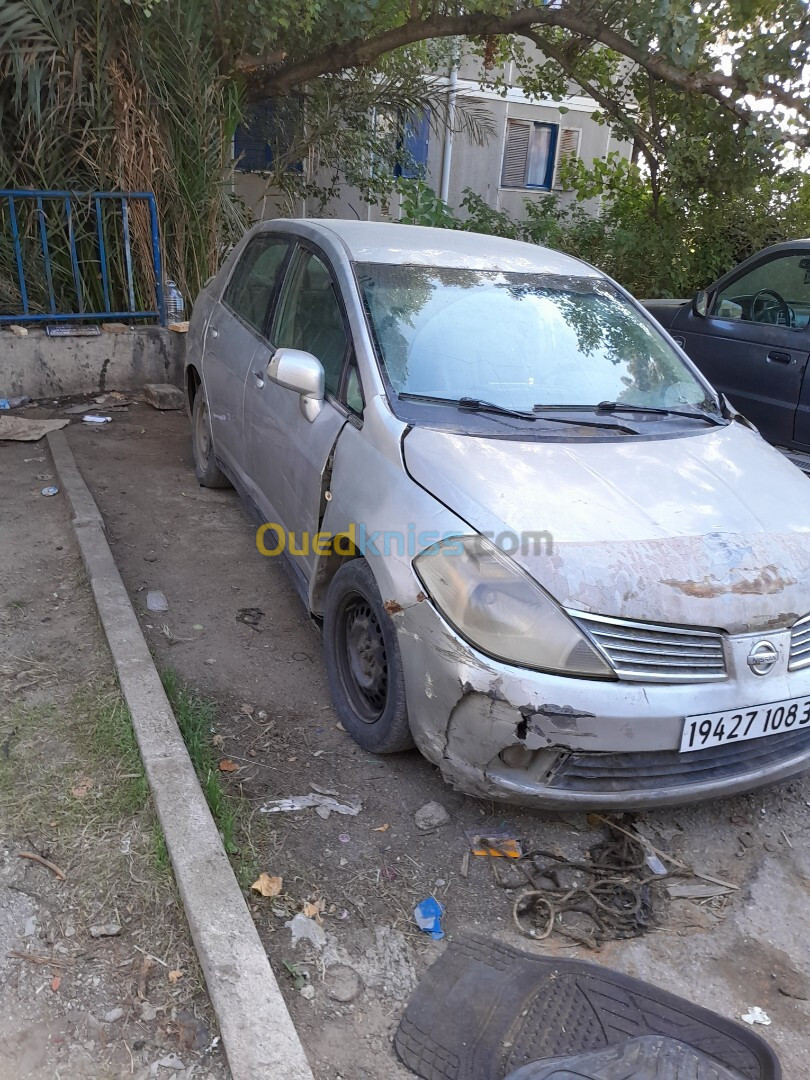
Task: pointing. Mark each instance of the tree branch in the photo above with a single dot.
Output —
(609, 105)
(360, 52)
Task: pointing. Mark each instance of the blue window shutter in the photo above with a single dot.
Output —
(415, 141)
(252, 147)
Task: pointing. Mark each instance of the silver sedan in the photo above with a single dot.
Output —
(541, 547)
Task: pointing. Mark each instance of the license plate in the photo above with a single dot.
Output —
(717, 729)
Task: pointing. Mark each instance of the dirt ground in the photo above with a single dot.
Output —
(236, 632)
(74, 1005)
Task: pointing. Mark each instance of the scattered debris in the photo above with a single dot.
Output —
(324, 805)
(95, 418)
(304, 929)
(115, 328)
(344, 838)
(51, 490)
(18, 331)
(171, 1061)
(164, 396)
(314, 910)
(179, 327)
(606, 895)
(14, 402)
(105, 930)
(54, 869)
(431, 816)
(71, 330)
(81, 787)
(250, 616)
(156, 601)
(20, 429)
(495, 844)
(175, 975)
(56, 982)
(343, 984)
(307, 992)
(267, 885)
(686, 891)
(226, 765)
(428, 917)
(382, 828)
(755, 1015)
(113, 1015)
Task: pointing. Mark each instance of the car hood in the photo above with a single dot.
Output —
(711, 529)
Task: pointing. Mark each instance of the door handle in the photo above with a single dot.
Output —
(778, 357)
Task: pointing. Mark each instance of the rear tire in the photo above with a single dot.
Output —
(363, 663)
(205, 467)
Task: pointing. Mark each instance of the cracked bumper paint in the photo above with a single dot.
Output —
(499, 731)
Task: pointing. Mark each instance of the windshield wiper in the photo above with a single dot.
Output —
(467, 404)
(623, 406)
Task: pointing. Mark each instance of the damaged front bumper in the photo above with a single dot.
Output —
(525, 737)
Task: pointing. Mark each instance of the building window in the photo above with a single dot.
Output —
(413, 139)
(534, 152)
(266, 132)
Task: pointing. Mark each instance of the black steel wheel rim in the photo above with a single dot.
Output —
(361, 658)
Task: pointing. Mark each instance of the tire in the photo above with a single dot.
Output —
(363, 662)
(205, 467)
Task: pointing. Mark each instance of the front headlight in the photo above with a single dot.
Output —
(502, 611)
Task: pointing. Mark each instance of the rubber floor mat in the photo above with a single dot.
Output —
(651, 1057)
(485, 1009)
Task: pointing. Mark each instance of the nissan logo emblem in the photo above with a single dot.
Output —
(762, 657)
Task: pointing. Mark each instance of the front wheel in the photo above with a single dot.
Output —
(363, 662)
(205, 467)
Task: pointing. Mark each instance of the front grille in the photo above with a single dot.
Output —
(644, 652)
(658, 769)
(800, 644)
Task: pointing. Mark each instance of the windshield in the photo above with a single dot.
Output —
(522, 341)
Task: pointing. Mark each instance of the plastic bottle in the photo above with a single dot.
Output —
(175, 304)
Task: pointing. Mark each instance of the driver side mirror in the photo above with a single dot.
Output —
(700, 303)
(302, 373)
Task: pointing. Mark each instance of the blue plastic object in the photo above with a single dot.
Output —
(428, 916)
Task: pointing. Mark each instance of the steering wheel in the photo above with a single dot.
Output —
(768, 308)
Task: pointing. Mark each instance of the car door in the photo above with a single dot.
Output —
(753, 343)
(287, 454)
(235, 337)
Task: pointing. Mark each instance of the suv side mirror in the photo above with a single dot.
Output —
(700, 303)
(301, 372)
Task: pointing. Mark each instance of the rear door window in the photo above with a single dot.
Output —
(249, 292)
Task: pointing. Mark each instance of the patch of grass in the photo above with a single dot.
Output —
(195, 718)
(114, 739)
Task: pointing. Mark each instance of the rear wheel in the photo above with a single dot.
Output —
(205, 467)
(363, 662)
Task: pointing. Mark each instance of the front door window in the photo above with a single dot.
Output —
(776, 292)
(309, 317)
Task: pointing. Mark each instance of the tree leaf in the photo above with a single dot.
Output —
(267, 885)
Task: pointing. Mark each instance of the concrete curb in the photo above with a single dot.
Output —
(258, 1035)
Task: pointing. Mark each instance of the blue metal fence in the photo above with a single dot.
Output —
(93, 233)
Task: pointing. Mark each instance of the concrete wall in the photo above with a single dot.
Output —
(42, 366)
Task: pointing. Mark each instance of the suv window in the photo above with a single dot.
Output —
(309, 317)
(250, 289)
(776, 292)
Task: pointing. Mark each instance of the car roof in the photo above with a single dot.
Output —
(389, 242)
